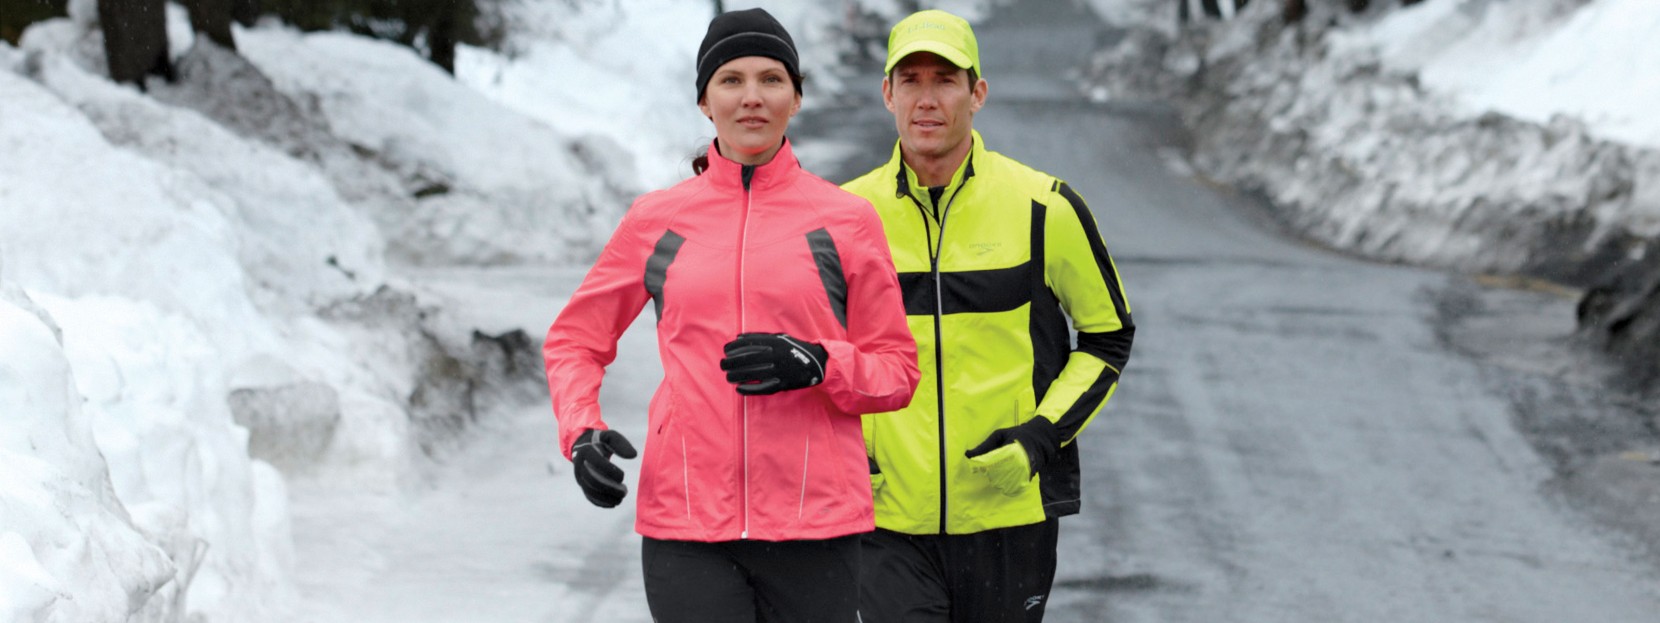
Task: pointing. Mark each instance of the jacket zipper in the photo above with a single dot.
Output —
(939, 337)
(748, 172)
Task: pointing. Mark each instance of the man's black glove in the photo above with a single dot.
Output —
(768, 363)
(601, 480)
(1001, 462)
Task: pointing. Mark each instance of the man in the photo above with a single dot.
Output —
(993, 258)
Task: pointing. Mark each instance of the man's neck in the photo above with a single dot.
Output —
(936, 171)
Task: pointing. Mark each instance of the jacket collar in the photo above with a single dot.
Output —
(905, 179)
(729, 175)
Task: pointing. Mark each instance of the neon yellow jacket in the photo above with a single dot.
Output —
(990, 276)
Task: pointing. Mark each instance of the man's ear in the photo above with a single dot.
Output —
(887, 94)
(980, 91)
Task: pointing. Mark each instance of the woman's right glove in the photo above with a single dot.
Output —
(601, 480)
(768, 363)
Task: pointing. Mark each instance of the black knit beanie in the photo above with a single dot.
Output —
(736, 34)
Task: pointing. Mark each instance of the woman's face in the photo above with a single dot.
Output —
(751, 100)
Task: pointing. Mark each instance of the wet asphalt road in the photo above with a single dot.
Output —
(1299, 437)
(1294, 439)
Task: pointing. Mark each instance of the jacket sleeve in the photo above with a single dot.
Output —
(583, 338)
(1081, 273)
(875, 370)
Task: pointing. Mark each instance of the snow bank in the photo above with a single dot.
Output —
(1512, 136)
(624, 73)
(138, 264)
(211, 255)
(1593, 61)
(1356, 152)
(488, 187)
(59, 512)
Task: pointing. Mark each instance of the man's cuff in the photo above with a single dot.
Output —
(1042, 440)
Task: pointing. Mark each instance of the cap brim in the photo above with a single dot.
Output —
(946, 51)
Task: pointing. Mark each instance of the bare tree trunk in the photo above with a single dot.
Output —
(441, 36)
(135, 39)
(245, 12)
(16, 15)
(212, 19)
(1293, 11)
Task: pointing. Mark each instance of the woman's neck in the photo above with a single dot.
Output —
(755, 159)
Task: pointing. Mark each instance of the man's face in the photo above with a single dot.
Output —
(933, 105)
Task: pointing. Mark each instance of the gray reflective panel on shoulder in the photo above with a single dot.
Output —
(657, 268)
(830, 271)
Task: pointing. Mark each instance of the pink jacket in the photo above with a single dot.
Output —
(792, 254)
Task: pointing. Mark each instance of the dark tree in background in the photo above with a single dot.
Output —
(433, 27)
(212, 19)
(440, 24)
(1296, 10)
(1293, 10)
(15, 15)
(1211, 8)
(135, 31)
(244, 12)
(135, 39)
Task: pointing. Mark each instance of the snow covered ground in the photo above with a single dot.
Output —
(269, 236)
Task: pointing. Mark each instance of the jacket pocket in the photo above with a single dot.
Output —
(665, 485)
(1025, 405)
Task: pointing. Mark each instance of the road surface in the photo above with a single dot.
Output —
(1295, 439)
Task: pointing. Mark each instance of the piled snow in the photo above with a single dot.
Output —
(1508, 136)
(195, 287)
(624, 73)
(68, 546)
(138, 265)
(490, 187)
(620, 71)
(1366, 138)
(1594, 61)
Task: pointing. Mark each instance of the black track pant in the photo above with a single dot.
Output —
(752, 581)
(996, 576)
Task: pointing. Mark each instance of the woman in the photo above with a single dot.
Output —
(779, 322)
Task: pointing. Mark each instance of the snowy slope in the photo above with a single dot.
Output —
(1470, 134)
(220, 285)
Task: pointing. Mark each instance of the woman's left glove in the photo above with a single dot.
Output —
(768, 363)
(601, 480)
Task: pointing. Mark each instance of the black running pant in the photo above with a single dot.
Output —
(752, 581)
(996, 576)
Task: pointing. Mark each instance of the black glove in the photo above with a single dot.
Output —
(768, 363)
(1038, 436)
(601, 480)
